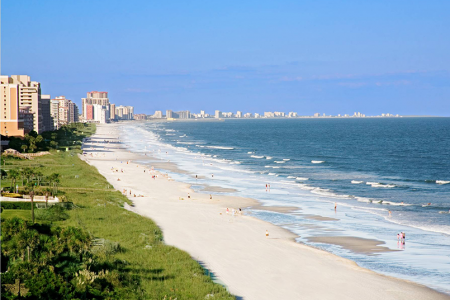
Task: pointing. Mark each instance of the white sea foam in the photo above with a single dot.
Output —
(220, 147)
(380, 185)
(442, 182)
(286, 159)
(268, 157)
(267, 166)
(250, 152)
(291, 177)
(256, 156)
(301, 178)
(317, 161)
(280, 161)
(371, 183)
(276, 167)
(357, 181)
(272, 174)
(186, 143)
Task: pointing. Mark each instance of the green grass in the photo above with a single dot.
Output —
(20, 213)
(164, 272)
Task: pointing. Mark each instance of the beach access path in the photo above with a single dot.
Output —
(235, 248)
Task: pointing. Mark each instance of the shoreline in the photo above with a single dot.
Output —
(279, 264)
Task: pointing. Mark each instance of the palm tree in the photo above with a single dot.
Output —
(28, 173)
(13, 174)
(54, 180)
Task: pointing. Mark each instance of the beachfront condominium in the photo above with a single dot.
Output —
(94, 97)
(169, 114)
(54, 112)
(112, 111)
(124, 112)
(217, 114)
(65, 110)
(158, 114)
(45, 113)
(19, 90)
(10, 117)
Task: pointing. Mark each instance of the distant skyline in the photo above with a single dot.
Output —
(333, 57)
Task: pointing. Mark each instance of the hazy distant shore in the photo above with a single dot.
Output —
(235, 247)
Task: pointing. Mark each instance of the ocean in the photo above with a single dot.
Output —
(367, 167)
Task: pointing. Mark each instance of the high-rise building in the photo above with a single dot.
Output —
(239, 114)
(125, 112)
(10, 117)
(158, 114)
(94, 97)
(112, 111)
(45, 113)
(169, 114)
(101, 113)
(67, 111)
(29, 95)
(217, 114)
(54, 112)
(89, 112)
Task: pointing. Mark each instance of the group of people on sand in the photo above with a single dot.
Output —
(233, 212)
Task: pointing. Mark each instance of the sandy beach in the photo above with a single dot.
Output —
(234, 247)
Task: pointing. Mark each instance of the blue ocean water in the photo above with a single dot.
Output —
(368, 167)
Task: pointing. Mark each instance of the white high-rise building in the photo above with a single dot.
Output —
(217, 114)
(93, 97)
(158, 114)
(239, 114)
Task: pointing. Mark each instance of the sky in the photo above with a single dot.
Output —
(333, 57)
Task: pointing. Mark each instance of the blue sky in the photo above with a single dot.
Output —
(306, 56)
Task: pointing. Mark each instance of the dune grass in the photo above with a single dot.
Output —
(136, 242)
(19, 213)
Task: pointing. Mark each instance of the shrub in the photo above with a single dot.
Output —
(16, 205)
(12, 195)
(52, 214)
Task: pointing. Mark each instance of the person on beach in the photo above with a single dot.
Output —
(335, 206)
(267, 233)
(212, 175)
(398, 237)
(189, 196)
(404, 237)
(227, 210)
(266, 187)
(196, 177)
(390, 214)
(210, 197)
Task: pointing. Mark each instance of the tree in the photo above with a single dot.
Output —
(13, 174)
(53, 144)
(32, 206)
(54, 180)
(39, 176)
(24, 148)
(28, 173)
